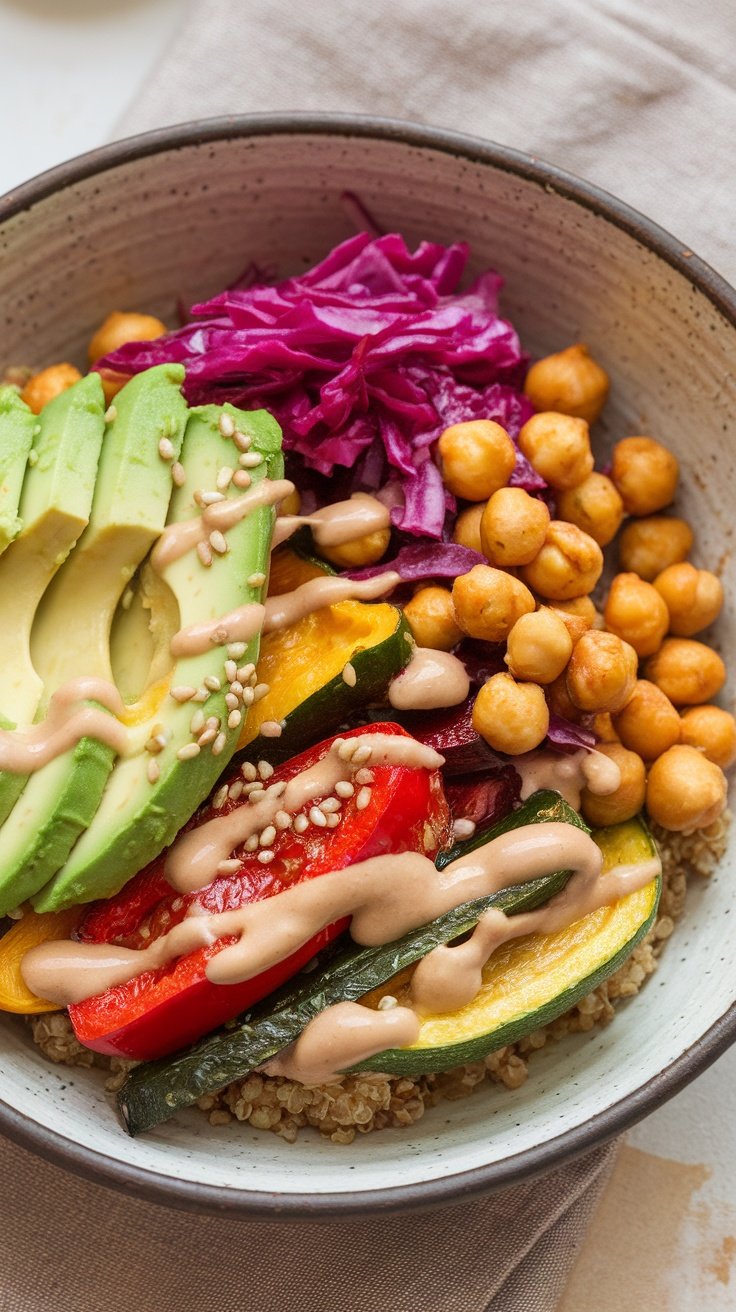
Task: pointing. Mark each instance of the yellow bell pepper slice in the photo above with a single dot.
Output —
(34, 927)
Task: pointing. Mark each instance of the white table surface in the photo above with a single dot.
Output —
(68, 69)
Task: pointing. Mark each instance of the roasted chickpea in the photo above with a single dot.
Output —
(570, 382)
(648, 723)
(569, 564)
(636, 612)
(558, 447)
(431, 617)
(577, 615)
(685, 790)
(112, 383)
(512, 717)
(595, 506)
(693, 597)
(122, 327)
(539, 646)
(513, 527)
(477, 458)
(688, 672)
(467, 528)
(628, 798)
(602, 672)
(647, 546)
(645, 473)
(560, 702)
(51, 382)
(713, 731)
(604, 728)
(361, 551)
(291, 505)
(488, 602)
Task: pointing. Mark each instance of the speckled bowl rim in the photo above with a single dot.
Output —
(460, 1186)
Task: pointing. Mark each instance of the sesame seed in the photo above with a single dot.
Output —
(218, 637)
(234, 719)
(330, 805)
(111, 413)
(317, 818)
(333, 821)
(349, 676)
(265, 856)
(206, 737)
(196, 724)
(248, 770)
(282, 820)
(228, 867)
(126, 601)
(231, 670)
(212, 682)
(251, 460)
(251, 844)
(226, 424)
(231, 701)
(218, 542)
(177, 904)
(245, 672)
(261, 690)
(242, 440)
(153, 772)
(463, 828)
(201, 695)
(236, 688)
(241, 478)
(346, 749)
(276, 790)
(205, 554)
(256, 794)
(33, 458)
(183, 693)
(219, 744)
(363, 798)
(248, 697)
(364, 776)
(301, 824)
(220, 797)
(387, 1002)
(154, 746)
(236, 790)
(257, 580)
(267, 837)
(265, 769)
(209, 498)
(222, 482)
(362, 754)
(188, 752)
(166, 449)
(145, 931)
(236, 650)
(271, 729)
(344, 789)
(178, 473)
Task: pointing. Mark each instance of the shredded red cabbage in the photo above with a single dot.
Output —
(363, 359)
(569, 737)
(425, 560)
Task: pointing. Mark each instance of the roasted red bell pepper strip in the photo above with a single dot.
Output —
(163, 1010)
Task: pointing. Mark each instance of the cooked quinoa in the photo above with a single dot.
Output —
(365, 1102)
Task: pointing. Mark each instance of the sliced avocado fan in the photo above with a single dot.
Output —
(18, 426)
(54, 509)
(71, 631)
(142, 810)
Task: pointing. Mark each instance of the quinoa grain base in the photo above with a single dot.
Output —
(361, 1103)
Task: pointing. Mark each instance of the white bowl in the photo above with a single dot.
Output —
(179, 213)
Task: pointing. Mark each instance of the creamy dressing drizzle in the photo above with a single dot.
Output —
(568, 775)
(240, 625)
(288, 609)
(343, 1035)
(432, 679)
(177, 539)
(335, 525)
(67, 721)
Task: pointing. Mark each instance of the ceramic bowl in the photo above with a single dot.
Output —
(178, 214)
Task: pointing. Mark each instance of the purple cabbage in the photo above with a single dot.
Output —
(425, 560)
(364, 360)
(568, 737)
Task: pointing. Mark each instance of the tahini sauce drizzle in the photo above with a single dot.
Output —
(67, 721)
(568, 774)
(335, 525)
(290, 607)
(432, 679)
(177, 539)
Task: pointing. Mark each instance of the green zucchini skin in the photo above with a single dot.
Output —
(157, 1090)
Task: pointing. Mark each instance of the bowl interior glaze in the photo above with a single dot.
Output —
(179, 214)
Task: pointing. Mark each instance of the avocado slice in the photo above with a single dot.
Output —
(138, 818)
(54, 509)
(18, 426)
(71, 632)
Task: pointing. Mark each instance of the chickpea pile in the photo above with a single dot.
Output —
(630, 662)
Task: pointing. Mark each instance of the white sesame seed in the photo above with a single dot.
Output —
(188, 752)
(333, 821)
(178, 473)
(126, 601)
(463, 828)
(111, 413)
(231, 670)
(261, 690)
(245, 672)
(330, 805)
(196, 724)
(222, 482)
(346, 749)
(276, 790)
(201, 695)
(387, 1002)
(317, 818)
(301, 824)
(183, 693)
(219, 744)
(349, 676)
(251, 460)
(220, 798)
(226, 424)
(344, 789)
(218, 637)
(205, 554)
(248, 697)
(145, 931)
(266, 856)
(248, 770)
(154, 746)
(236, 790)
(282, 820)
(33, 458)
(209, 498)
(256, 793)
(231, 701)
(241, 478)
(267, 837)
(251, 844)
(362, 754)
(153, 772)
(218, 542)
(364, 776)
(337, 744)
(265, 769)
(212, 682)
(236, 688)
(236, 650)
(206, 737)
(234, 719)
(177, 904)
(257, 580)
(166, 449)
(363, 798)
(229, 867)
(242, 440)
(271, 729)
